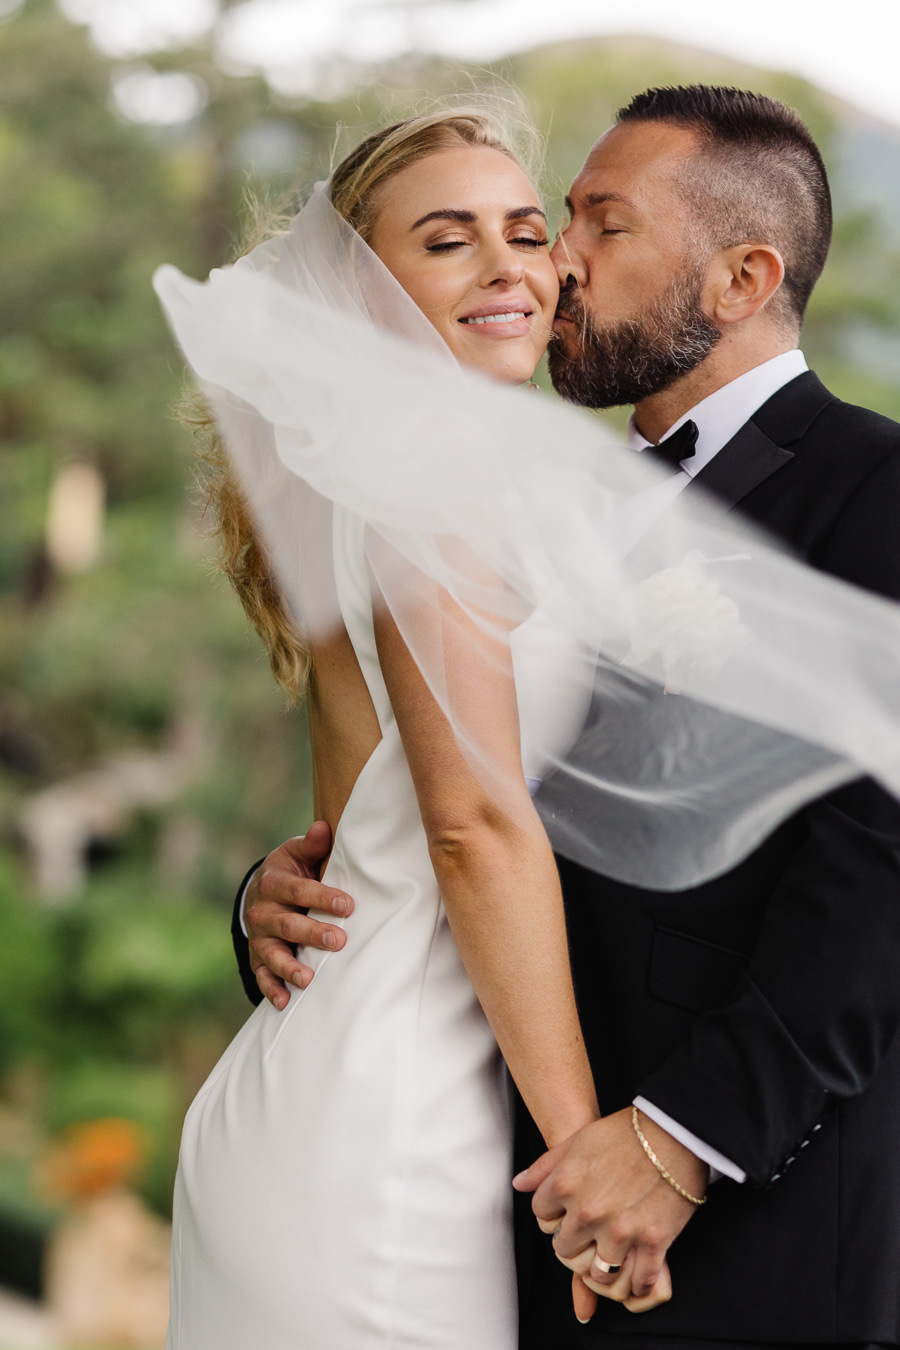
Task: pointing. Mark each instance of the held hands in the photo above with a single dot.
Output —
(283, 886)
(606, 1203)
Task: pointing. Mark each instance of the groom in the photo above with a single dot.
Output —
(753, 1020)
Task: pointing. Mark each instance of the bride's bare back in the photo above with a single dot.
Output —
(343, 725)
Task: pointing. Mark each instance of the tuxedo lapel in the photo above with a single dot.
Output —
(748, 459)
(759, 448)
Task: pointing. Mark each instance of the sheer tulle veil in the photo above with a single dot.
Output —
(704, 685)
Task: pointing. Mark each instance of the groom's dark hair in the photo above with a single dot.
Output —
(757, 176)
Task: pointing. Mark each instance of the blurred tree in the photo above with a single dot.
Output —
(118, 1004)
(125, 651)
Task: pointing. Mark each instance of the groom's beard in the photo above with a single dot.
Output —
(631, 360)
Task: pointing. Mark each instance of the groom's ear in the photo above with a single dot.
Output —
(741, 280)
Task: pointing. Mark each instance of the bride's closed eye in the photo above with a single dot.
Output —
(444, 246)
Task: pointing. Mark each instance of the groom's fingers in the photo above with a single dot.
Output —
(280, 906)
(622, 1290)
(581, 1228)
(306, 852)
(615, 1286)
(579, 1264)
(660, 1293)
(607, 1270)
(272, 988)
(602, 1266)
(650, 1259)
(629, 1285)
(274, 963)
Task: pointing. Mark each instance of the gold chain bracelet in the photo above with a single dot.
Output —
(667, 1176)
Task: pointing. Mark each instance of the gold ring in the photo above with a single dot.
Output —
(606, 1267)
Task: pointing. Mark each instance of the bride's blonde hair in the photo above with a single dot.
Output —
(355, 186)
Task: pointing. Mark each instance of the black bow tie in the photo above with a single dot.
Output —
(680, 445)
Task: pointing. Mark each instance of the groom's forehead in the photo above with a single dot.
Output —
(638, 160)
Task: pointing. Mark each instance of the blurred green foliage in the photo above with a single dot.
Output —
(117, 1000)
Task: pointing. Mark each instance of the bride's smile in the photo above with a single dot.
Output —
(464, 233)
(506, 319)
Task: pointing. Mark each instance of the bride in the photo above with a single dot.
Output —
(387, 1067)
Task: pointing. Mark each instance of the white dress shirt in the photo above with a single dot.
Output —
(720, 415)
(718, 418)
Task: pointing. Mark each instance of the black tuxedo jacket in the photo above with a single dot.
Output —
(761, 1009)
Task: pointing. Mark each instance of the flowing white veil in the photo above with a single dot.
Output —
(495, 509)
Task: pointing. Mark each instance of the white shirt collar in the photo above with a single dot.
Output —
(721, 414)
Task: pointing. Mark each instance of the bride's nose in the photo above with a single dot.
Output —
(503, 264)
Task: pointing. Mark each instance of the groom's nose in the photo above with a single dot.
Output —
(570, 267)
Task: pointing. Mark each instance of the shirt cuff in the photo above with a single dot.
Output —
(719, 1165)
(241, 907)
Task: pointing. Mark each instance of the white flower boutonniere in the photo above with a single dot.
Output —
(683, 624)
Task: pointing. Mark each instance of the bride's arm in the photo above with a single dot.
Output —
(494, 866)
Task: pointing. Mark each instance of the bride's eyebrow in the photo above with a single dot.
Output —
(469, 217)
(448, 213)
(521, 212)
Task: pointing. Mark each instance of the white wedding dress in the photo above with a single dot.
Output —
(344, 1180)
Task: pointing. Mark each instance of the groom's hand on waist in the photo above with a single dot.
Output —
(602, 1190)
(281, 890)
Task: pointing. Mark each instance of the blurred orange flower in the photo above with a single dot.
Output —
(93, 1158)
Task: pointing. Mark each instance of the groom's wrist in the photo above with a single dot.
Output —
(242, 900)
(719, 1165)
(680, 1168)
